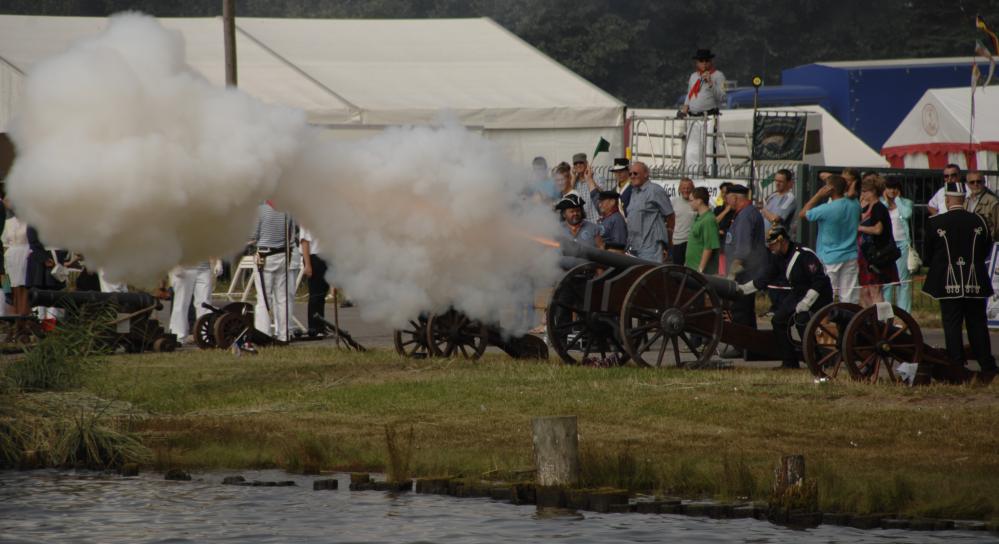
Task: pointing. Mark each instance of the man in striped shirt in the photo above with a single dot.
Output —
(272, 236)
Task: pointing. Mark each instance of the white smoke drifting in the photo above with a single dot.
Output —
(420, 218)
(127, 156)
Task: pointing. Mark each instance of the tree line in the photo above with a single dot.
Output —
(639, 50)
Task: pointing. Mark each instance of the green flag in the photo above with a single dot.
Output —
(602, 145)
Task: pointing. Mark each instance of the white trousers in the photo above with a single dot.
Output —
(845, 283)
(699, 140)
(188, 284)
(276, 289)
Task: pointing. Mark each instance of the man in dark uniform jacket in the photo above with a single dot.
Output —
(810, 289)
(956, 247)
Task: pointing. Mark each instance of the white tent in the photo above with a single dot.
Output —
(358, 76)
(937, 131)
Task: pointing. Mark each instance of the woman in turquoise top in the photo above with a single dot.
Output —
(900, 210)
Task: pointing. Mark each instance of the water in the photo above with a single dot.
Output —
(60, 506)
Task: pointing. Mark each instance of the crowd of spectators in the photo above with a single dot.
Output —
(863, 226)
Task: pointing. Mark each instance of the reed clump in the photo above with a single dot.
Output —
(60, 360)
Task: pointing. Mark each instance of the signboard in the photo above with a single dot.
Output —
(992, 309)
(779, 137)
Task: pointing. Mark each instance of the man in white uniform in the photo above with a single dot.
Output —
(705, 96)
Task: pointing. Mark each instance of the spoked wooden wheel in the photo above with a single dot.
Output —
(452, 334)
(229, 327)
(412, 341)
(576, 334)
(822, 345)
(873, 349)
(204, 331)
(667, 308)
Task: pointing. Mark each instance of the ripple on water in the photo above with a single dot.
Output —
(51, 506)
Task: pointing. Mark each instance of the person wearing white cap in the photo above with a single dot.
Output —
(956, 247)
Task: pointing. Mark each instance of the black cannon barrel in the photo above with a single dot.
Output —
(126, 302)
(725, 288)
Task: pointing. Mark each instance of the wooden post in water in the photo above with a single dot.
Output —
(790, 473)
(556, 450)
(229, 38)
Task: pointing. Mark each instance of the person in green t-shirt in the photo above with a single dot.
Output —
(703, 243)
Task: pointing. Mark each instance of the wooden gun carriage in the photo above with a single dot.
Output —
(621, 308)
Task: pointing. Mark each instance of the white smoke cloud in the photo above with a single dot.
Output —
(127, 156)
(420, 218)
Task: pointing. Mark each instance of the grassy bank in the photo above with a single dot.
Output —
(925, 451)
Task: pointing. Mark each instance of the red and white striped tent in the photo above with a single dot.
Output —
(937, 131)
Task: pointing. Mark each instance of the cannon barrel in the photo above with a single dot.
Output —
(127, 302)
(725, 288)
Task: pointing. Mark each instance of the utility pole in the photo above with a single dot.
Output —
(229, 35)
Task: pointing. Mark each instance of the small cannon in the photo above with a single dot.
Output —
(454, 334)
(877, 348)
(623, 308)
(134, 329)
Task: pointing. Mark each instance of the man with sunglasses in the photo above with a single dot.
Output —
(650, 216)
(982, 201)
(951, 174)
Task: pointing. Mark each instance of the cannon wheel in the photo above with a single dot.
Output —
(872, 349)
(822, 344)
(453, 332)
(575, 333)
(412, 342)
(204, 331)
(228, 327)
(670, 304)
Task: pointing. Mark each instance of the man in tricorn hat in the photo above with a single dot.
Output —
(575, 226)
(705, 96)
(956, 247)
(798, 268)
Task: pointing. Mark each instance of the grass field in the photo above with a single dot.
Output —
(922, 451)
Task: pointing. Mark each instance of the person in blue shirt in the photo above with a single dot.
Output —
(613, 229)
(837, 218)
(575, 227)
(746, 255)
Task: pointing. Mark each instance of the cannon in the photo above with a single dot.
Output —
(622, 308)
(134, 329)
(454, 334)
(881, 343)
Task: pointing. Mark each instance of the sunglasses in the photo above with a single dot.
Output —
(634, 174)
(952, 175)
(974, 182)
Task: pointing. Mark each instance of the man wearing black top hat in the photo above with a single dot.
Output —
(800, 269)
(622, 182)
(705, 96)
(956, 246)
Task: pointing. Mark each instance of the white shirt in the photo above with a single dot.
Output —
(306, 236)
(708, 96)
(938, 201)
(684, 219)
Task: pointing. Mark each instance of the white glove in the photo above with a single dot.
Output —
(805, 304)
(747, 288)
(217, 268)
